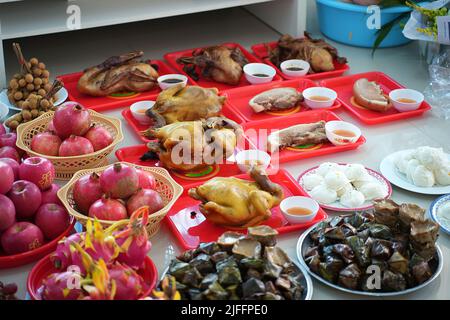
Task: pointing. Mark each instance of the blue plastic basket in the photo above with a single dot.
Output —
(347, 23)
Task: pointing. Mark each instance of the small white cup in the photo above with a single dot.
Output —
(138, 110)
(250, 156)
(319, 92)
(302, 202)
(296, 63)
(164, 85)
(338, 140)
(397, 94)
(252, 70)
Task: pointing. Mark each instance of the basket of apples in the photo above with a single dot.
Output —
(32, 219)
(112, 193)
(72, 138)
(98, 264)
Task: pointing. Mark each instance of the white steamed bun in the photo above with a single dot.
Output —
(344, 189)
(372, 190)
(335, 180)
(352, 199)
(442, 175)
(325, 167)
(422, 177)
(411, 167)
(355, 171)
(323, 195)
(432, 158)
(401, 161)
(312, 180)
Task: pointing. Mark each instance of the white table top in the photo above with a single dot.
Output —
(402, 63)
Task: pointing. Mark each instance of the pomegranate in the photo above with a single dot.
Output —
(38, 170)
(9, 152)
(52, 219)
(8, 139)
(71, 118)
(75, 146)
(50, 195)
(119, 181)
(21, 237)
(46, 143)
(7, 213)
(13, 164)
(145, 197)
(2, 129)
(86, 191)
(26, 197)
(108, 209)
(99, 137)
(50, 127)
(146, 180)
(6, 178)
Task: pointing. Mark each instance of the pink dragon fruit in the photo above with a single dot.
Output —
(62, 286)
(133, 240)
(100, 286)
(61, 258)
(128, 284)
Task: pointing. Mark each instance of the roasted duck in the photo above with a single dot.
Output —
(192, 145)
(370, 95)
(300, 134)
(276, 99)
(239, 203)
(187, 103)
(317, 52)
(117, 74)
(218, 63)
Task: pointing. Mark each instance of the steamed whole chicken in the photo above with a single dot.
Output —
(218, 63)
(229, 201)
(118, 74)
(317, 52)
(185, 103)
(193, 145)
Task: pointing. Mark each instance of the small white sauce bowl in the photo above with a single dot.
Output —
(397, 94)
(164, 85)
(319, 91)
(250, 69)
(252, 155)
(141, 117)
(338, 140)
(298, 201)
(295, 63)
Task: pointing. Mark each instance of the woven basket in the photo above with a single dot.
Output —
(168, 189)
(65, 167)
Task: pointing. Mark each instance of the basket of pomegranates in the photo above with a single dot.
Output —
(99, 264)
(32, 218)
(72, 138)
(112, 193)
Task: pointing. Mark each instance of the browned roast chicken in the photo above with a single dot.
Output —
(218, 63)
(317, 52)
(189, 103)
(117, 74)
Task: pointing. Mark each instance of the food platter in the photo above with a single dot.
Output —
(61, 96)
(433, 211)
(388, 169)
(304, 242)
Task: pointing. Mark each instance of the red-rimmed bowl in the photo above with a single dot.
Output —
(20, 259)
(44, 268)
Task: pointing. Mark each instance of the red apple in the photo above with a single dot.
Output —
(13, 164)
(9, 152)
(53, 219)
(8, 139)
(21, 237)
(6, 177)
(46, 143)
(26, 197)
(7, 213)
(38, 170)
(50, 195)
(146, 179)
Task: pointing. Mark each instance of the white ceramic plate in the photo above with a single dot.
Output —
(337, 206)
(3, 111)
(434, 210)
(61, 96)
(390, 171)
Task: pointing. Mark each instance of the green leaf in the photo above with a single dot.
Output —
(384, 31)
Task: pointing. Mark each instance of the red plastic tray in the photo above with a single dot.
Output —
(111, 102)
(289, 154)
(260, 50)
(21, 259)
(344, 87)
(238, 100)
(203, 82)
(44, 268)
(192, 230)
(137, 127)
(133, 154)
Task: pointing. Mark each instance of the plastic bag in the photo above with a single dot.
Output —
(437, 92)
